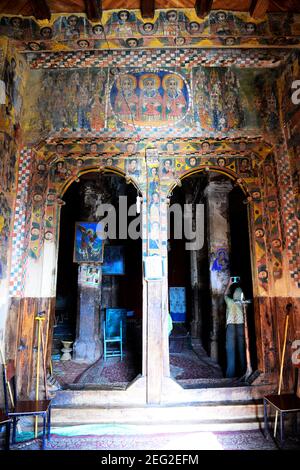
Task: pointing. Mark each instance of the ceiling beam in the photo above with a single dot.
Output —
(203, 7)
(259, 8)
(93, 9)
(41, 10)
(147, 8)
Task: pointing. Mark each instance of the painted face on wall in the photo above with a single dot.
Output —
(148, 28)
(83, 44)
(276, 243)
(167, 165)
(98, 29)
(250, 28)
(180, 41)
(170, 147)
(93, 148)
(259, 233)
(172, 84)
(171, 16)
(245, 164)
(256, 195)
(16, 22)
(221, 17)
(131, 148)
(132, 167)
(193, 161)
(123, 15)
(72, 21)
(221, 162)
(230, 41)
(126, 84)
(194, 27)
(48, 236)
(263, 275)
(34, 46)
(205, 146)
(272, 204)
(132, 42)
(46, 33)
(109, 162)
(59, 148)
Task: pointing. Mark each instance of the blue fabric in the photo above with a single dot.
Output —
(235, 346)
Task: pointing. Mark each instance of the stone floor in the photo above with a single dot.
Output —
(134, 437)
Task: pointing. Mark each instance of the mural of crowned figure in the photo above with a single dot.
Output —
(150, 98)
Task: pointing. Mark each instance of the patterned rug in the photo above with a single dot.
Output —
(109, 372)
(192, 367)
(245, 440)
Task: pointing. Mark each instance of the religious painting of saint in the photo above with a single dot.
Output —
(88, 247)
(150, 98)
(174, 101)
(126, 100)
(133, 167)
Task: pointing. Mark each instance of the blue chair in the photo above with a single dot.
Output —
(113, 332)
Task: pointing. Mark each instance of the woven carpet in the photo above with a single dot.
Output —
(246, 440)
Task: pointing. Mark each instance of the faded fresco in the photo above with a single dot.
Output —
(145, 98)
(168, 28)
(204, 99)
(12, 73)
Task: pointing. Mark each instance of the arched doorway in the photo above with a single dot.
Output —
(87, 292)
(198, 278)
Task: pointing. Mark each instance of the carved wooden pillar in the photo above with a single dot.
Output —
(196, 323)
(156, 290)
(88, 347)
(216, 194)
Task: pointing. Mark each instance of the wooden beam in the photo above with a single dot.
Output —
(147, 8)
(41, 10)
(203, 7)
(93, 9)
(259, 8)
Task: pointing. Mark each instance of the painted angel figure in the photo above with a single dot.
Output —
(88, 236)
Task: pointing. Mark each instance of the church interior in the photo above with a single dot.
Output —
(150, 211)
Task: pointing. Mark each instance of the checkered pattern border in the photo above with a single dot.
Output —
(138, 133)
(183, 58)
(17, 274)
(288, 210)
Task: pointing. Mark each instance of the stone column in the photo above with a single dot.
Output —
(88, 347)
(218, 229)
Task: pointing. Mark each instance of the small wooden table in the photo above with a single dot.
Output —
(284, 403)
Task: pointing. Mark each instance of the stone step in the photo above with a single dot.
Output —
(173, 393)
(209, 416)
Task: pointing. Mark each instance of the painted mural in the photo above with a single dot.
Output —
(5, 221)
(168, 28)
(205, 100)
(145, 98)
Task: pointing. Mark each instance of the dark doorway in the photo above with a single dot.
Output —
(189, 342)
(119, 291)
